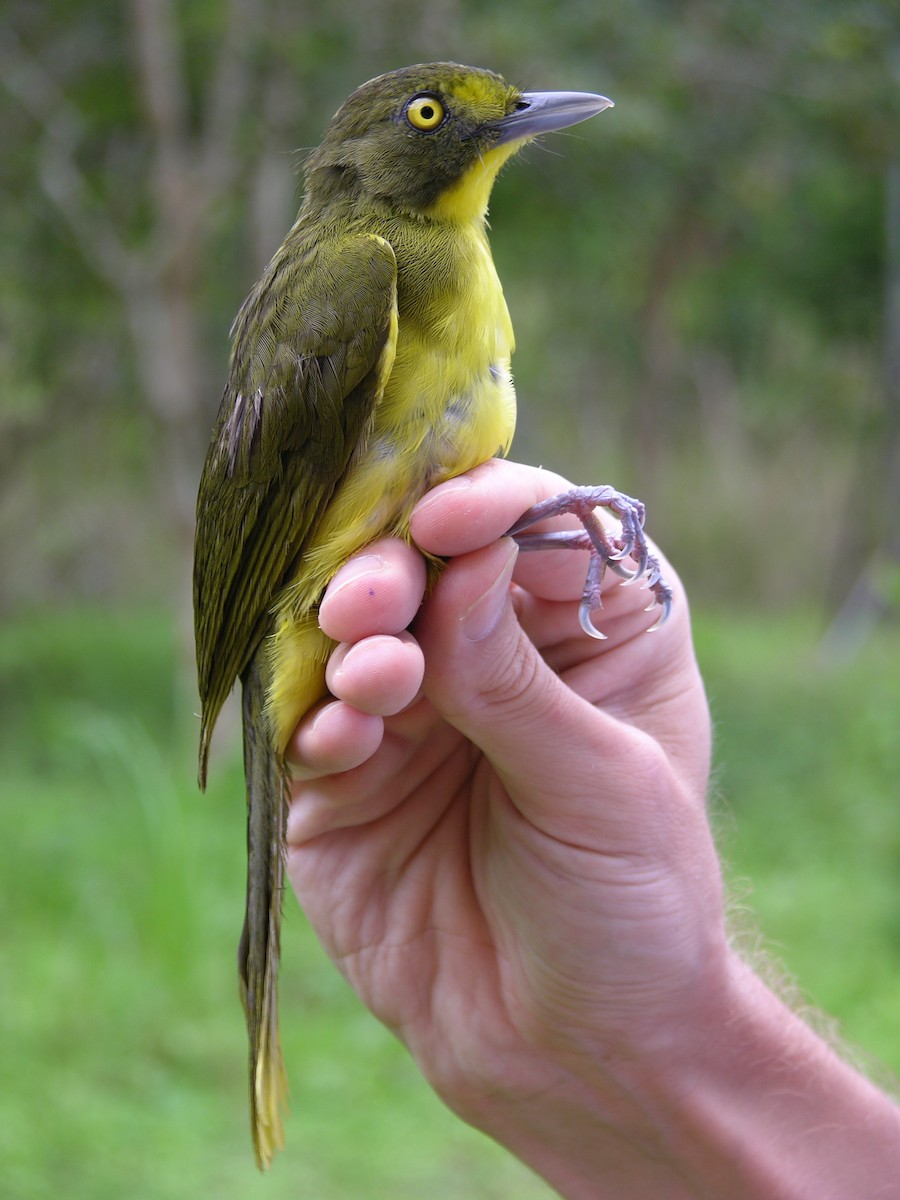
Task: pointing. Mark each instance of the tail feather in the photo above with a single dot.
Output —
(258, 954)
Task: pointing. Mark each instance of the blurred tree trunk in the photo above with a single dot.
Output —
(892, 362)
(191, 173)
(273, 185)
(194, 162)
(876, 590)
(685, 241)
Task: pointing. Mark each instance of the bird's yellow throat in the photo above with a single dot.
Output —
(468, 199)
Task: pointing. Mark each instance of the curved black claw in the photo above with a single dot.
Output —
(605, 550)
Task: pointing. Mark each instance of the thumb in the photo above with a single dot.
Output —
(485, 676)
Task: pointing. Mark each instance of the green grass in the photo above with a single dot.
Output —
(808, 781)
(122, 1056)
(122, 1047)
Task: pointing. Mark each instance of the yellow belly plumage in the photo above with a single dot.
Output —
(447, 405)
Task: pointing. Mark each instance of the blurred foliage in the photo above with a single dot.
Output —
(697, 279)
(122, 1047)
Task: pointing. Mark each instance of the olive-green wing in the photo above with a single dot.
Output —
(313, 346)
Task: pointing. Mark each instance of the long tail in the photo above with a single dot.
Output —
(259, 950)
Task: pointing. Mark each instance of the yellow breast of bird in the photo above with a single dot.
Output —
(447, 405)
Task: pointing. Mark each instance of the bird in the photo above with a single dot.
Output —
(369, 363)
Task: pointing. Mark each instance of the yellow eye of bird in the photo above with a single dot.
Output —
(425, 112)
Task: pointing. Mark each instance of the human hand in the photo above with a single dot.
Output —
(498, 832)
(517, 851)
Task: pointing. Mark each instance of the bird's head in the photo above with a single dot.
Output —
(429, 140)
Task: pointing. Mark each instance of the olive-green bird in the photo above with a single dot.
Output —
(370, 362)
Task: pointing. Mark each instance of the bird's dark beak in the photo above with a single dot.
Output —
(543, 112)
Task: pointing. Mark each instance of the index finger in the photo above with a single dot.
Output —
(473, 510)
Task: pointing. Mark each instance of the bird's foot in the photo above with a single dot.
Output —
(606, 551)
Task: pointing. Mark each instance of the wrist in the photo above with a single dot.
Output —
(766, 1108)
(743, 1100)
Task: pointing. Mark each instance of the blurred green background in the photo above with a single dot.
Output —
(705, 285)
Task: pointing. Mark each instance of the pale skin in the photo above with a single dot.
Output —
(499, 832)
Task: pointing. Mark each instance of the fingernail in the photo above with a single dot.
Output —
(482, 617)
(356, 568)
(459, 483)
